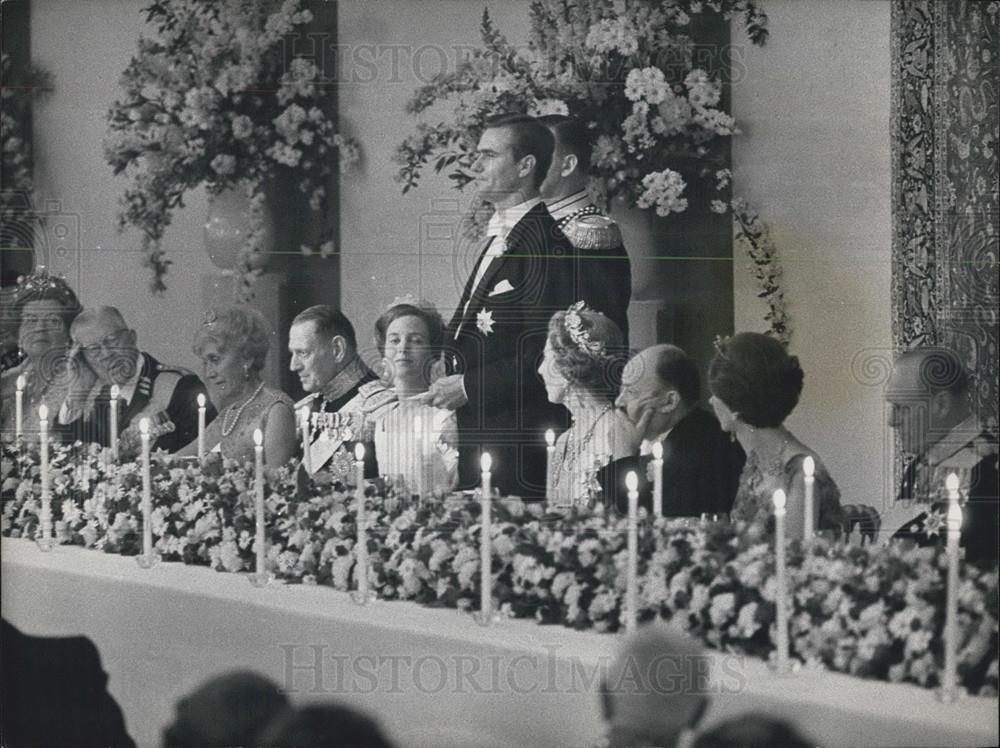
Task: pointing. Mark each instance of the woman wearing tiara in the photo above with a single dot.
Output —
(45, 306)
(580, 371)
(416, 443)
(755, 385)
(233, 344)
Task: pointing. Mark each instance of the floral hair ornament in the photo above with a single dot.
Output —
(573, 323)
(41, 281)
(411, 300)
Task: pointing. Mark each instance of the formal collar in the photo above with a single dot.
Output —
(127, 391)
(954, 441)
(504, 220)
(568, 205)
(344, 380)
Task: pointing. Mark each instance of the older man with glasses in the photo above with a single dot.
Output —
(167, 395)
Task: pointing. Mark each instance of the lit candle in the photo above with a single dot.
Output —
(632, 571)
(780, 600)
(258, 473)
(949, 676)
(550, 454)
(113, 421)
(658, 480)
(361, 573)
(46, 510)
(809, 471)
(306, 433)
(147, 492)
(19, 408)
(486, 542)
(201, 426)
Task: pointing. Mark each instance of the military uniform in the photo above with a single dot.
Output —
(332, 440)
(167, 395)
(605, 270)
(971, 454)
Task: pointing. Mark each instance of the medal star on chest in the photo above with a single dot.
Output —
(484, 321)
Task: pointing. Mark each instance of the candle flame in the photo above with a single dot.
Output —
(632, 481)
(359, 452)
(43, 411)
(258, 437)
(951, 483)
(779, 499)
(144, 426)
(550, 437)
(809, 466)
(115, 391)
(486, 462)
(20, 382)
(201, 400)
(658, 451)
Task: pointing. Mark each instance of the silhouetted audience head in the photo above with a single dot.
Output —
(755, 379)
(228, 710)
(323, 726)
(656, 688)
(751, 731)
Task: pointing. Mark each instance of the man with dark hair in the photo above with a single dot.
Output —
(594, 235)
(345, 396)
(929, 409)
(525, 272)
(701, 466)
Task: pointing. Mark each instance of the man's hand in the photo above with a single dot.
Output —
(647, 409)
(447, 392)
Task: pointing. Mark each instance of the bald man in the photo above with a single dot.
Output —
(167, 395)
(656, 688)
(930, 410)
(660, 394)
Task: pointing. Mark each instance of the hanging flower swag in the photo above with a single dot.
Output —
(627, 69)
(213, 100)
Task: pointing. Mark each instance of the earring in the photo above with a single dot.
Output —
(246, 371)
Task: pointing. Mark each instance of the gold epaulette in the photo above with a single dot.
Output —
(375, 396)
(306, 401)
(590, 232)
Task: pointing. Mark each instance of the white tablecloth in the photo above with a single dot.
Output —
(433, 677)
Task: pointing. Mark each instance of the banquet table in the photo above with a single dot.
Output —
(433, 677)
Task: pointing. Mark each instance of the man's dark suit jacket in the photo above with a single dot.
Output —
(172, 389)
(701, 470)
(54, 693)
(508, 410)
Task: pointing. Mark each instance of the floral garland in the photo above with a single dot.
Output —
(871, 612)
(212, 100)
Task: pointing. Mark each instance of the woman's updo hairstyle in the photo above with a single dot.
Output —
(588, 348)
(756, 378)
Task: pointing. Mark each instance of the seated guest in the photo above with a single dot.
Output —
(233, 344)
(166, 395)
(326, 725)
(577, 369)
(654, 692)
(701, 465)
(345, 396)
(45, 306)
(54, 693)
(229, 709)
(751, 731)
(928, 397)
(755, 385)
(415, 442)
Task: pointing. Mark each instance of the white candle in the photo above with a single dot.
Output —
(46, 510)
(632, 570)
(658, 480)
(201, 426)
(550, 454)
(260, 541)
(809, 471)
(362, 522)
(418, 468)
(113, 421)
(780, 600)
(147, 492)
(949, 676)
(486, 541)
(19, 408)
(306, 433)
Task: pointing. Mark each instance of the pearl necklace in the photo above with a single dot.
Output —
(227, 428)
(571, 453)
